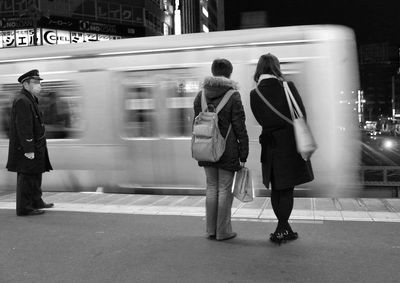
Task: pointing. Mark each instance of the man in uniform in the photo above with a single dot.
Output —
(27, 153)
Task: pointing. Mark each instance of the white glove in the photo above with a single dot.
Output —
(30, 155)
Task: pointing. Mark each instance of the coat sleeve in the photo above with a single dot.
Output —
(24, 125)
(239, 126)
(298, 98)
(254, 108)
(197, 105)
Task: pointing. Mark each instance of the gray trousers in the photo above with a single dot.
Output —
(218, 201)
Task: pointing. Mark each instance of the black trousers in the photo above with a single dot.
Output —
(29, 192)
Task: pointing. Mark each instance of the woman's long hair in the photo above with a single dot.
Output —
(268, 64)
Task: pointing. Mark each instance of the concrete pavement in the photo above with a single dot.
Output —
(103, 238)
(307, 209)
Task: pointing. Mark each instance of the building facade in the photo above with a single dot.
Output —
(47, 22)
(200, 15)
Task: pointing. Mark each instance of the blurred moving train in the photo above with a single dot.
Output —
(119, 113)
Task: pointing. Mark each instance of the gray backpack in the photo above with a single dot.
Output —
(207, 142)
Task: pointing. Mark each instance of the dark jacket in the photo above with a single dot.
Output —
(282, 166)
(237, 143)
(27, 134)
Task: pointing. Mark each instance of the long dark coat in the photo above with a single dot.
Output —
(282, 165)
(27, 134)
(237, 143)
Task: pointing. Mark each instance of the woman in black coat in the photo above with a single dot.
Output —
(282, 166)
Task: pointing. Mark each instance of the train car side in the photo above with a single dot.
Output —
(133, 105)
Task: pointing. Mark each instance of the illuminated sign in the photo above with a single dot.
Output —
(77, 37)
(49, 37)
(24, 37)
(8, 38)
(63, 37)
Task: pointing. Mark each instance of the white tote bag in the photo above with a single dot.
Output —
(305, 141)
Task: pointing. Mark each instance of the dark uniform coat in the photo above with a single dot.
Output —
(27, 134)
(237, 143)
(282, 165)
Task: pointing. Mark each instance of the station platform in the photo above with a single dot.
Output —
(306, 209)
(103, 238)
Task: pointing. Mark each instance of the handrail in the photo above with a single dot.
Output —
(384, 176)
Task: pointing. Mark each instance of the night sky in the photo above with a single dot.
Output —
(372, 21)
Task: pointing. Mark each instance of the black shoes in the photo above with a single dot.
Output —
(290, 235)
(46, 205)
(277, 237)
(35, 210)
(283, 237)
(32, 212)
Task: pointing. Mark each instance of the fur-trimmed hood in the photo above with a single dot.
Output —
(217, 86)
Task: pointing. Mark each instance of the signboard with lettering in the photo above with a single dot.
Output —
(126, 14)
(103, 37)
(93, 27)
(25, 37)
(102, 10)
(49, 36)
(77, 37)
(15, 23)
(88, 37)
(7, 6)
(63, 37)
(8, 38)
(62, 23)
(114, 11)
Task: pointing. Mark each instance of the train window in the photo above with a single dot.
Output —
(6, 96)
(180, 105)
(59, 102)
(159, 103)
(139, 115)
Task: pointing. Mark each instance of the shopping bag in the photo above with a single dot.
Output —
(242, 187)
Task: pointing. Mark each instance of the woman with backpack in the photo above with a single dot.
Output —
(231, 124)
(282, 166)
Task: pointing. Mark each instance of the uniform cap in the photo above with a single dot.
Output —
(33, 74)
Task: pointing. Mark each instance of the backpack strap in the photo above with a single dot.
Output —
(221, 105)
(203, 101)
(224, 100)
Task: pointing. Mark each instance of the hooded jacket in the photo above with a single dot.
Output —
(237, 143)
